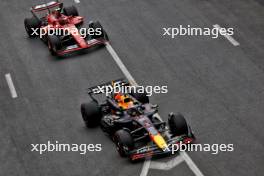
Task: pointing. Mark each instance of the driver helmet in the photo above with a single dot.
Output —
(124, 101)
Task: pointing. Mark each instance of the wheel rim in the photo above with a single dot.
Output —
(120, 149)
(118, 146)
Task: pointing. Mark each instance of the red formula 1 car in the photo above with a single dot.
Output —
(61, 28)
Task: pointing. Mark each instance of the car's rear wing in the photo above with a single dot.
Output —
(103, 88)
(46, 6)
(106, 88)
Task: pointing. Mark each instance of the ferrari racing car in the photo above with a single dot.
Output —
(132, 122)
(59, 27)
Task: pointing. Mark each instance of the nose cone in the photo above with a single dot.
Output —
(159, 141)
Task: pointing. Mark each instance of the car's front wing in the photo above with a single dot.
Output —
(152, 150)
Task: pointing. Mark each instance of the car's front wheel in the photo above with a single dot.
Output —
(177, 124)
(54, 44)
(99, 30)
(124, 142)
(32, 26)
(91, 114)
(70, 11)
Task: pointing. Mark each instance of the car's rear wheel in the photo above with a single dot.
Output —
(91, 114)
(141, 97)
(178, 125)
(54, 44)
(70, 11)
(124, 142)
(31, 25)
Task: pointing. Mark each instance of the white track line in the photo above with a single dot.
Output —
(167, 165)
(11, 85)
(191, 164)
(130, 78)
(228, 37)
(145, 168)
(120, 64)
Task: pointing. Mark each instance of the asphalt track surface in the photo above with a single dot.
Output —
(217, 86)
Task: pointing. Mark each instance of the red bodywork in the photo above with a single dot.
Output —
(57, 20)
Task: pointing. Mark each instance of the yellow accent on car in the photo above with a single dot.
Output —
(159, 141)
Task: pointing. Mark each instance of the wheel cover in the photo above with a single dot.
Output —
(120, 148)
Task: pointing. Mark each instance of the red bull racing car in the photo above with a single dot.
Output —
(132, 122)
(61, 28)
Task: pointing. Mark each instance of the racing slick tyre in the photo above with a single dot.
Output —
(178, 125)
(71, 11)
(91, 114)
(97, 25)
(54, 44)
(124, 142)
(30, 24)
(141, 97)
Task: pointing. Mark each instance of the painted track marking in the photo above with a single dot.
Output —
(11, 85)
(228, 37)
(147, 163)
(145, 168)
(191, 164)
(77, 1)
(167, 165)
(120, 64)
